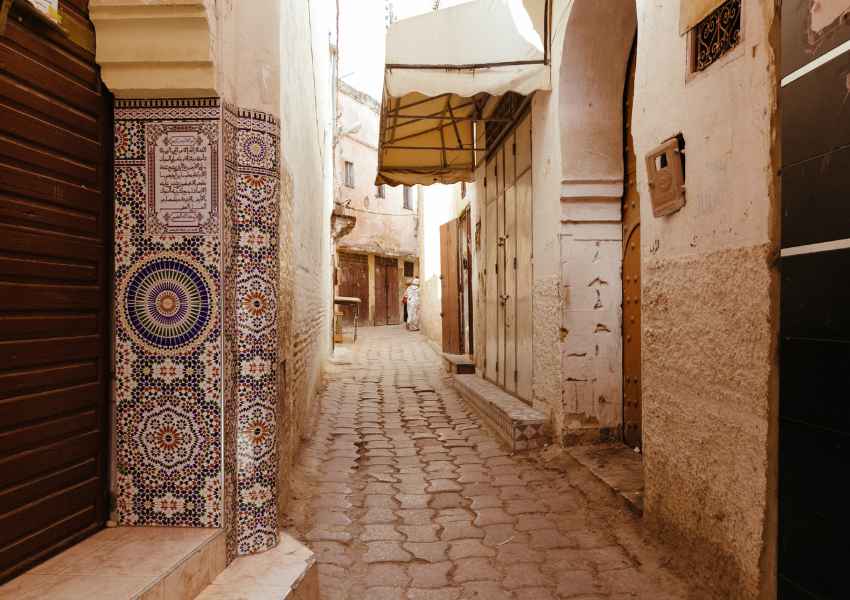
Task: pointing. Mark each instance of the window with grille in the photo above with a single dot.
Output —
(349, 174)
(715, 35)
(408, 269)
(379, 191)
(407, 200)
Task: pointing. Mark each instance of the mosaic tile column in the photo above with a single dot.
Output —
(168, 398)
(196, 244)
(252, 196)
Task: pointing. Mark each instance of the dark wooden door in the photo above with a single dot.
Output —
(632, 408)
(393, 292)
(387, 301)
(449, 282)
(55, 276)
(380, 293)
(814, 373)
(354, 283)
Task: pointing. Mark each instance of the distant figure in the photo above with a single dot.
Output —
(412, 302)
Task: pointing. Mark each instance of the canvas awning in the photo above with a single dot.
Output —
(442, 70)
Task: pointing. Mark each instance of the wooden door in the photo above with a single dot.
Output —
(55, 278)
(491, 235)
(510, 245)
(387, 300)
(354, 283)
(468, 305)
(380, 316)
(449, 280)
(500, 265)
(524, 284)
(631, 280)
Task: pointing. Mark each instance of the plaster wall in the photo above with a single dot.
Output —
(709, 299)
(249, 56)
(307, 198)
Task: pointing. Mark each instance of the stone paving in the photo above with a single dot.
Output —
(403, 494)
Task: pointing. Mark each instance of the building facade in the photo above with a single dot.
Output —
(379, 257)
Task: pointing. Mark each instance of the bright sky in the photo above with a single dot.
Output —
(362, 36)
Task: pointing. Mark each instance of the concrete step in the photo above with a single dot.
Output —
(287, 572)
(519, 425)
(461, 364)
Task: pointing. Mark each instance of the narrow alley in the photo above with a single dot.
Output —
(424, 299)
(403, 494)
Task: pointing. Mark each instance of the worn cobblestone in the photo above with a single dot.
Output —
(404, 494)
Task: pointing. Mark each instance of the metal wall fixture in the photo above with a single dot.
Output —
(665, 168)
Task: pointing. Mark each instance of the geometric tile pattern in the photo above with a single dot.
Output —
(252, 197)
(196, 268)
(168, 355)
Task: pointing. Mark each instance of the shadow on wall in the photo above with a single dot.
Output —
(431, 323)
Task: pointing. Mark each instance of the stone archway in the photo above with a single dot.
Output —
(592, 75)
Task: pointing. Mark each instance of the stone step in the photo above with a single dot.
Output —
(128, 563)
(617, 466)
(461, 364)
(519, 425)
(287, 572)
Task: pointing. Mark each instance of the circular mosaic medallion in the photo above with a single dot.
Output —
(168, 304)
(255, 149)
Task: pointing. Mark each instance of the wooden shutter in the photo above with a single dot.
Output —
(450, 289)
(55, 277)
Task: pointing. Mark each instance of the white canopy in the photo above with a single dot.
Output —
(492, 46)
(441, 69)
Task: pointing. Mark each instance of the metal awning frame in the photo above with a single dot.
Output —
(396, 117)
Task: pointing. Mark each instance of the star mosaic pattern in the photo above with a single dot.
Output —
(196, 331)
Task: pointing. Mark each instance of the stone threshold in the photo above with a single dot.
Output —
(618, 467)
(461, 364)
(520, 426)
(286, 572)
(128, 563)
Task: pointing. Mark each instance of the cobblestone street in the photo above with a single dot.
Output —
(404, 494)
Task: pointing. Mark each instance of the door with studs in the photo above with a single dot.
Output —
(631, 279)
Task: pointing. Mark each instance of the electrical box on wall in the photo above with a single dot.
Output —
(665, 169)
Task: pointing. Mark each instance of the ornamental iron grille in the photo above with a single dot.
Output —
(717, 34)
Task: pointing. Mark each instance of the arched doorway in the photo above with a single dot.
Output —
(597, 228)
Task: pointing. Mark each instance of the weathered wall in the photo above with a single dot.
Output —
(709, 299)
(383, 225)
(307, 135)
(440, 204)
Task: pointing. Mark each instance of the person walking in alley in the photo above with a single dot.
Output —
(411, 300)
